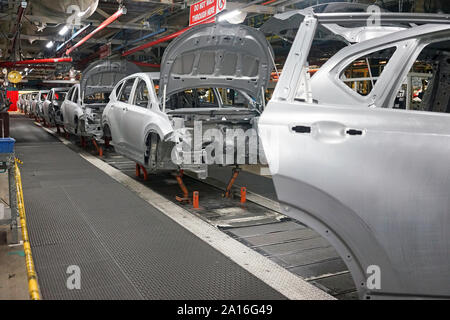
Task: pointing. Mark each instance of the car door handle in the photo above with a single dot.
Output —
(301, 129)
(354, 132)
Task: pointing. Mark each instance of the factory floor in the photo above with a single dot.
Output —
(13, 276)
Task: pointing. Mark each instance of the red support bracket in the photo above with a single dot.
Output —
(144, 171)
(185, 196)
(243, 194)
(99, 148)
(228, 193)
(195, 201)
(138, 170)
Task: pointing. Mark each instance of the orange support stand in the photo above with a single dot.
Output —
(99, 149)
(185, 197)
(138, 171)
(195, 200)
(228, 192)
(243, 194)
(144, 171)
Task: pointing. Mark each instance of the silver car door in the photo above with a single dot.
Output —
(46, 105)
(118, 110)
(138, 113)
(65, 107)
(76, 109)
(373, 181)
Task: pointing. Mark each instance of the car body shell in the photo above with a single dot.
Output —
(51, 105)
(29, 102)
(215, 56)
(82, 117)
(355, 169)
(36, 105)
(21, 102)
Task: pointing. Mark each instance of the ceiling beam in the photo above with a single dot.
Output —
(95, 23)
(103, 13)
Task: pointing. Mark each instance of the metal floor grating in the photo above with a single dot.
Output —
(125, 248)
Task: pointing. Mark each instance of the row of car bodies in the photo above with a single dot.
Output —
(114, 101)
(43, 105)
(25, 101)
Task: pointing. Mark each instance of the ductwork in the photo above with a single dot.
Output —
(81, 9)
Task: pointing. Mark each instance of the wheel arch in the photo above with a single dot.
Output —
(344, 229)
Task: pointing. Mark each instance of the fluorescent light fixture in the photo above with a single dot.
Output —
(228, 15)
(235, 16)
(63, 31)
(49, 44)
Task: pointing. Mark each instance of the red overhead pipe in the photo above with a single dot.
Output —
(160, 40)
(35, 61)
(105, 23)
(146, 64)
(49, 60)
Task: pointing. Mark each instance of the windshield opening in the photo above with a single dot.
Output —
(59, 96)
(209, 98)
(99, 97)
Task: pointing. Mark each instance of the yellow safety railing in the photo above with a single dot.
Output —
(33, 287)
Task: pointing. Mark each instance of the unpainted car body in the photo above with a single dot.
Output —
(83, 106)
(29, 98)
(157, 129)
(21, 102)
(26, 98)
(371, 179)
(36, 105)
(51, 105)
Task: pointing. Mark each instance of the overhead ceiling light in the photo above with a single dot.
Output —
(63, 31)
(49, 44)
(235, 16)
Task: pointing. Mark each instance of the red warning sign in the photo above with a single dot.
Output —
(205, 10)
